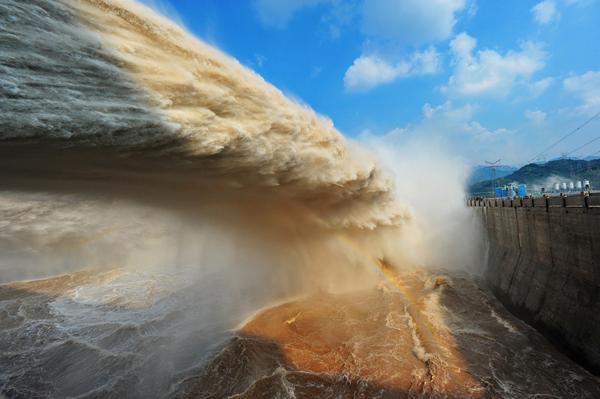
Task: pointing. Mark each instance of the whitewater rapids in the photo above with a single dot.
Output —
(171, 225)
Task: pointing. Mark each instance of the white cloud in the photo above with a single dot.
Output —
(537, 117)
(425, 62)
(535, 89)
(538, 87)
(586, 87)
(451, 120)
(472, 9)
(488, 72)
(449, 113)
(257, 62)
(456, 129)
(369, 71)
(342, 14)
(259, 59)
(578, 2)
(316, 71)
(277, 13)
(393, 24)
(548, 11)
(545, 12)
(411, 21)
(462, 46)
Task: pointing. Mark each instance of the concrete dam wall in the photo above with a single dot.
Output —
(544, 265)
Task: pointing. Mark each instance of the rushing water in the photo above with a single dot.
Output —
(171, 225)
(126, 334)
(170, 312)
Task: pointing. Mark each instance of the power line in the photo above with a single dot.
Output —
(572, 132)
(595, 153)
(583, 146)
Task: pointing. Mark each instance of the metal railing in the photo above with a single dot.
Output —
(583, 200)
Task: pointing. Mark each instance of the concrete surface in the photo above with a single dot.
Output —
(544, 265)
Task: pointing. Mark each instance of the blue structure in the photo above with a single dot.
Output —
(511, 191)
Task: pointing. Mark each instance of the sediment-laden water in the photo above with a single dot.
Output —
(171, 225)
(125, 334)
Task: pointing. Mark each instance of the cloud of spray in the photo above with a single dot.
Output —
(150, 114)
(433, 181)
(194, 273)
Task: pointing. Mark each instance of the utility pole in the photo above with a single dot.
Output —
(492, 166)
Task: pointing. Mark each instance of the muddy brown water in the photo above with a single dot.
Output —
(105, 334)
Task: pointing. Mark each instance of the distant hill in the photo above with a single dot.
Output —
(591, 157)
(482, 172)
(545, 175)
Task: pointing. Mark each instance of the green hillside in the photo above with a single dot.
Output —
(538, 174)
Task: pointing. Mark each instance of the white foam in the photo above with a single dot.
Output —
(503, 321)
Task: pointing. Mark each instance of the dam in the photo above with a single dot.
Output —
(543, 264)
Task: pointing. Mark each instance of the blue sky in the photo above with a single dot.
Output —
(486, 79)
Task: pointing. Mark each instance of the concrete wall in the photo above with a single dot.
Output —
(544, 265)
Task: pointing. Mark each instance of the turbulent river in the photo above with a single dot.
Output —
(171, 225)
(122, 334)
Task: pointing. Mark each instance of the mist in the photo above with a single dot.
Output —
(431, 178)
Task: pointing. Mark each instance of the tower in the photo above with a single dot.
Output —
(492, 166)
